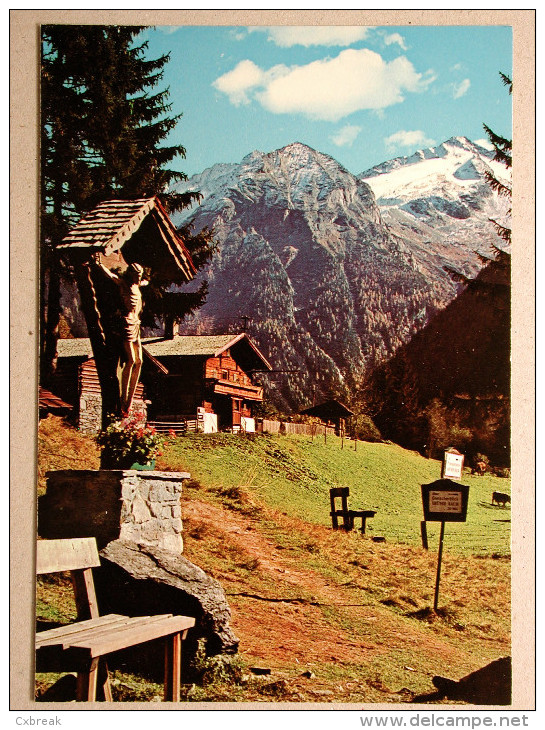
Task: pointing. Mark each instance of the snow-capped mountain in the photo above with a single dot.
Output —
(335, 270)
(439, 203)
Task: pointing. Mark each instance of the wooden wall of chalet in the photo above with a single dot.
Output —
(184, 389)
(90, 400)
(180, 392)
(224, 367)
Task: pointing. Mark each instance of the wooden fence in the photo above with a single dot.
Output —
(188, 425)
(285, 427)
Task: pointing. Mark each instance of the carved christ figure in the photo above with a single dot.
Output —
(129, 284)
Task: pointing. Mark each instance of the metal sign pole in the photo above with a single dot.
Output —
(441, 536)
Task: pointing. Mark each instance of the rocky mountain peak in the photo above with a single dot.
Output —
(336, 282)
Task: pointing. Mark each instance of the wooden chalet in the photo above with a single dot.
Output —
(76, 381)
(202, 382)
(210, 379)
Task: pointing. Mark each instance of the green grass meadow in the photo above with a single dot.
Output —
(294, 474)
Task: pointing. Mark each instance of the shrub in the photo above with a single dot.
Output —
(364, 428)
(130, 441)
(206, 670)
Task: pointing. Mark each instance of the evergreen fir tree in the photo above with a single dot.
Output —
(104, 123)
(503, 154)
(64, 171)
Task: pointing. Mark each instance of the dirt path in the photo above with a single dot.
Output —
(295, 619)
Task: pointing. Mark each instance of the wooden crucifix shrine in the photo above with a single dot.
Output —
(109, 250)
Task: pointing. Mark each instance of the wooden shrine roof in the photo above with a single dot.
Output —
(109, 226)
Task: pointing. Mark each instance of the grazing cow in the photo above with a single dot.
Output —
(500, 498)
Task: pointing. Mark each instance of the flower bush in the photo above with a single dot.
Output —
(129, 441)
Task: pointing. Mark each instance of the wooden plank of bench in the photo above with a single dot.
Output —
(66, 630)
(121, 638)
(96, 635)
(93, 628)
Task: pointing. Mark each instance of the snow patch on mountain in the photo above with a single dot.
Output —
(454, 167)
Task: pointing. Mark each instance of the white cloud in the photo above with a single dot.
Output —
(312, 35)
(345, 137)
(395, 38)
(415, 138)
(328, 89)
(168, 29)
(245, 77)
(461, 88)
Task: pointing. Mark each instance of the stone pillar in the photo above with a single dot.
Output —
(139, 507)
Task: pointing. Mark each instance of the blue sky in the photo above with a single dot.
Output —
(360, 94)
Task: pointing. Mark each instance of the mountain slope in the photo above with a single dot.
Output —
(450, 385)
(332, 284)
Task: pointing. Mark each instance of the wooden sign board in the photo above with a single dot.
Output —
(453, 464)
(445, 501)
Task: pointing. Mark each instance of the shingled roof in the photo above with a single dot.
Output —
(49, 402)
(78, 347)
(180, 346)
(205, 346)
(113, 223)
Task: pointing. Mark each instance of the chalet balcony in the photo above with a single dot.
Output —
(235, 389)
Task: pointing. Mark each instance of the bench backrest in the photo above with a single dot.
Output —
(55, 556)
(78, 555)
(341, 492)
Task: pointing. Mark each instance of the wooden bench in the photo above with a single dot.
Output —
(348, 515)
(82, 646)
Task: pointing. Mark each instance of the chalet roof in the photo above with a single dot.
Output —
(180, 346)
(80, 347)
(205, 346)
(209, 345)
(113, 223)
(331, 409)
(50, 402)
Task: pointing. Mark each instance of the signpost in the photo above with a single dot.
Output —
(444, 501)
(453, 464)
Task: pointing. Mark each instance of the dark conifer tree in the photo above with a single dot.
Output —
(104, 125)
(503, 154)
(64, 170)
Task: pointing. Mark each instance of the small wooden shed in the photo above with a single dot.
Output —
(50, 403)
(331, 412)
